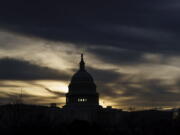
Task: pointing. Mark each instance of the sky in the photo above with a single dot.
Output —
(131, 48)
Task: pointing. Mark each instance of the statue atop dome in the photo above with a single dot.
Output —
(82, 64)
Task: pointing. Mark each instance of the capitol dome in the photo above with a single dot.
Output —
(82, 81)
(82, 90)
(81, 76)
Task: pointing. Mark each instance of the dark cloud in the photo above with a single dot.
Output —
(55, 93)
(141, 92)
(151, 25)
(58, 94)
(118, 56)
(104, 75)
(14, 69)
(104, 80)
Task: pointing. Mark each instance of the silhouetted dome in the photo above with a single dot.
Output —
(82, 90)
(81, 76)
(82, 81)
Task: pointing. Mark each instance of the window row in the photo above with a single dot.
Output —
(82, 99)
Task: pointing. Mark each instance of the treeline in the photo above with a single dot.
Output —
(30, 119)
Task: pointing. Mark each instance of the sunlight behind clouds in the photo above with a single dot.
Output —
(119, 79)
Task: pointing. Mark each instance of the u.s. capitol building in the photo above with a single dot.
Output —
(82, 99)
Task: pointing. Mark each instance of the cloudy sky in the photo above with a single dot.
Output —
(131, 47)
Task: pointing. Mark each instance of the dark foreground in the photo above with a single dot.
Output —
(23, 119)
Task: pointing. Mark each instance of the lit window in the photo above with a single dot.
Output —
(82, 100)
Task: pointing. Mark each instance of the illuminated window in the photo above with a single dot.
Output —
(82, 99)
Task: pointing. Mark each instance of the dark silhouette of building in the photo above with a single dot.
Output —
(82, 99)
(82, 90)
